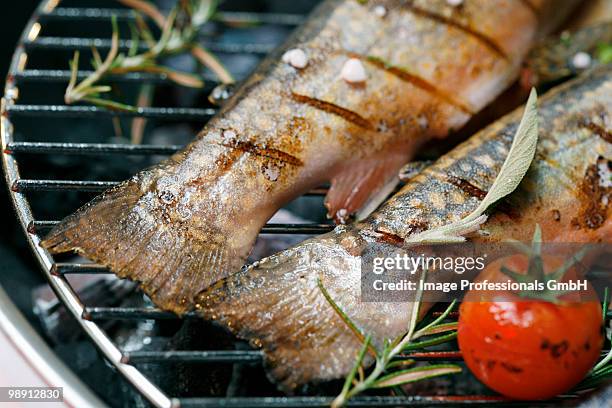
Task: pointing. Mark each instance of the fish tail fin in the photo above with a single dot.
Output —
(362, 186)
(277, 305)
(128, 230)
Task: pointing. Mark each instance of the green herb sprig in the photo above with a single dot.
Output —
(178, 34)
(388, 371)
(602, 371)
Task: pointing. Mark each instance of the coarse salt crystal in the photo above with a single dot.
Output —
(380, 11)
(581, 60)
(454, 3)
(229, 134)
(353, 71)
(296, 58)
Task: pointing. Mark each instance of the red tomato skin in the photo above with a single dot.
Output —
(529, 349)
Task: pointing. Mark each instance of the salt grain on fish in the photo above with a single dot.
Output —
(296, 58)
(353, 71)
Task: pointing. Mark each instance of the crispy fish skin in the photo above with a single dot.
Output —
(278, 305)
(184, 224)
(552, 60)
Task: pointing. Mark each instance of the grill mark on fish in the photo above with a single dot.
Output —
(600, 131)
(467, 187)
(528, 4)
(417, 81)
(484, 39)
(267, 152)
(334, 109)
(389, 238)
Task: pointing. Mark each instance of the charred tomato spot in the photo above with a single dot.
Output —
(587, 345)
(545, 344)
(557, 350)
(511, 368)
(491, 364)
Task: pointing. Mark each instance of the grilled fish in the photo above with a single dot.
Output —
(558, 58)
(358, 89)
(277, 303)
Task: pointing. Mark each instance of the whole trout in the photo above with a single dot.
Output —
(309, 117)
(279, 305)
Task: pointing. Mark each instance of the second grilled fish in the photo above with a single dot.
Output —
(278, 304)
(192, 219)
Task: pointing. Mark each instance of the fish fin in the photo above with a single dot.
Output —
(128, 230)
(277, 305)
(363, 184)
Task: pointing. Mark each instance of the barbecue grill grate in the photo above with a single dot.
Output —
(89, 316)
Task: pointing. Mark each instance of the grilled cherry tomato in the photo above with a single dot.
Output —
(525, 348)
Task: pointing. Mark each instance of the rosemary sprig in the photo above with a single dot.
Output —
(513, 170)
(383, 374)
(201, 12)
(178, 34)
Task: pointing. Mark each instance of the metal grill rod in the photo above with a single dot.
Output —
(103, 44)
(90, 148)
(95, 14)
(27, 185)
(248, 356)
(58, 75)
(168, 113)
(324, 402)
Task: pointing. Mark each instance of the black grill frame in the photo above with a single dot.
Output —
(55, 272)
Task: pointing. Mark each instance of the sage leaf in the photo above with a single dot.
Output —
(511, 174)
(519, 158)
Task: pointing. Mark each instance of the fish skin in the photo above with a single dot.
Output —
(278, 305)
(191, 220)
(551, 61)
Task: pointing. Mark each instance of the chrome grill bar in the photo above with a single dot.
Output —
(192, 114)
(96, 14)
(103, 44)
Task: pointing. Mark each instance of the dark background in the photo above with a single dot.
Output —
(14, 18)
(14, 253)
